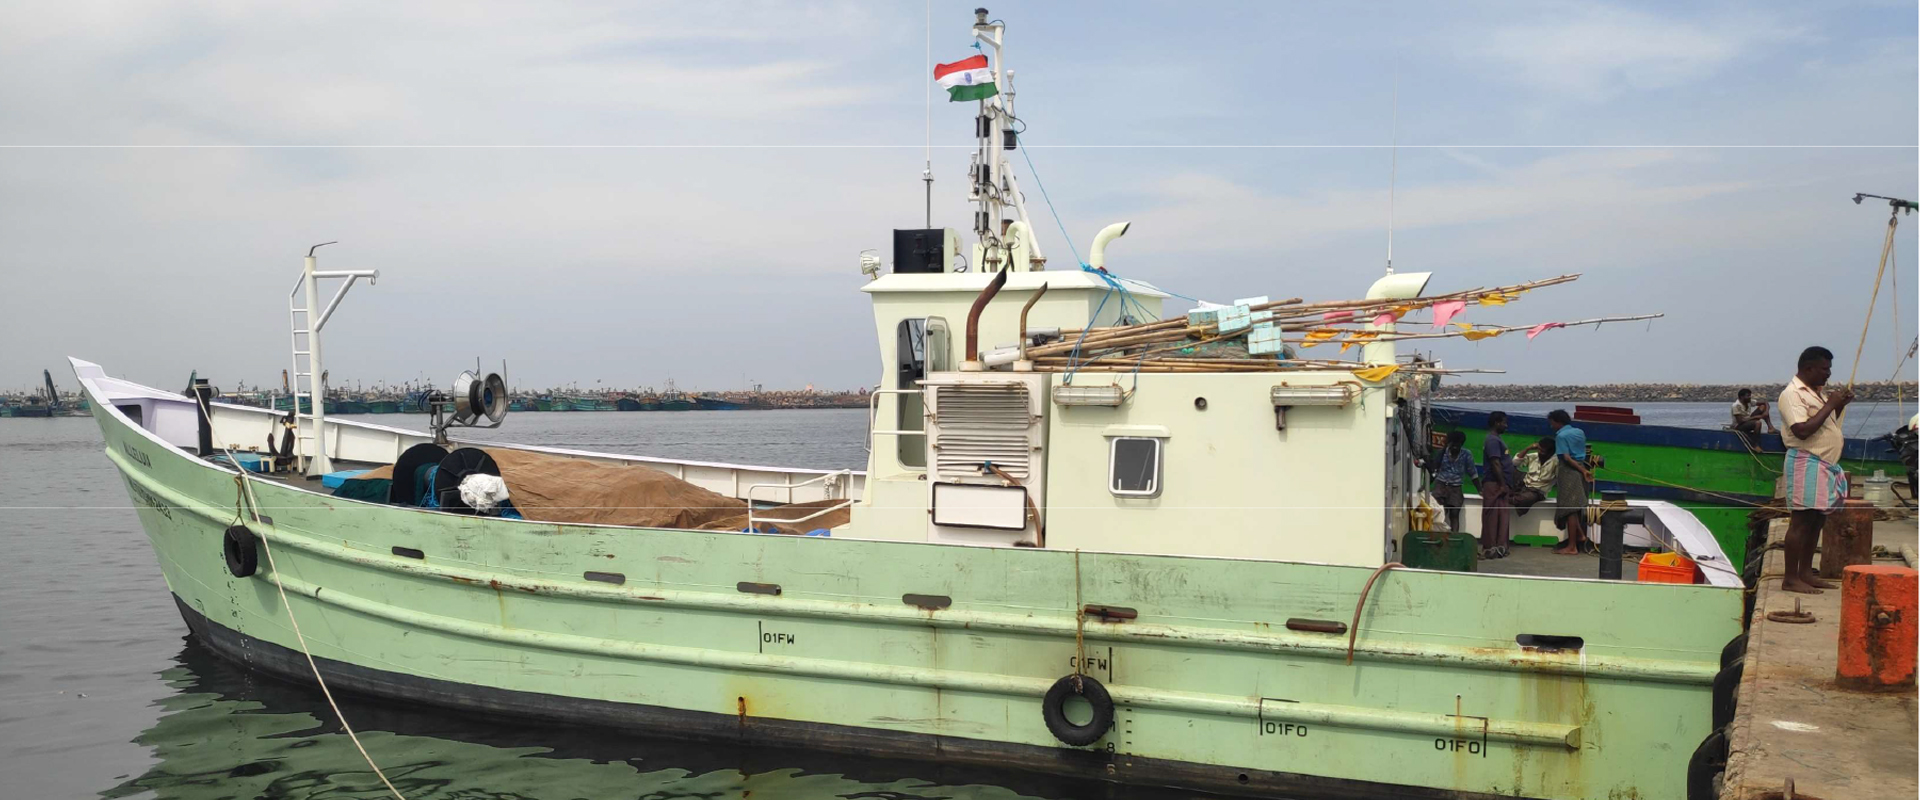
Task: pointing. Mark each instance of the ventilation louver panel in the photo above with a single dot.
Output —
(975, 424)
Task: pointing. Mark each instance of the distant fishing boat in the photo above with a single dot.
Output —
(707, 402)
(34, 406)
(383, 407)
(628, 403)
(675, 400)
(590, 404)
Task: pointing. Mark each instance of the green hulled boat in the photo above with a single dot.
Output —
(1186, 579)
(383, 407)
(1719, 475)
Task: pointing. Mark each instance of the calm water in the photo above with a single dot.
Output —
(101, 694)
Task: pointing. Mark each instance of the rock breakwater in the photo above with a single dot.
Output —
(1629, 393)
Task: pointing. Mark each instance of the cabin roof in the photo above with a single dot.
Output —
(973, 282)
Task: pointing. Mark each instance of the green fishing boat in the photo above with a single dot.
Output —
(1111, 572)
(591, 404)
(1719, 475)
(383, 407)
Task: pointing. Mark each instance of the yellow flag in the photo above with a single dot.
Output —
(1319, 336)
(1474, 336)
(1494, 299)
(1359, 337)
(1465, 326)
(1377, 374)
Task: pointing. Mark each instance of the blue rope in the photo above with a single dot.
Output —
(1128, 303)
(1050, 209)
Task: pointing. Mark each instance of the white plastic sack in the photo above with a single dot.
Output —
(1429, 514)
(484, 493)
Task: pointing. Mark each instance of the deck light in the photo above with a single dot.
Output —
(1285, 396)
(1110, 395)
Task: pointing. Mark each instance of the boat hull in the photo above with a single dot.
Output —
(941, 651)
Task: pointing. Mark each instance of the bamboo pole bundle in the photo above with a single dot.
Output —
(1158, 346)
(1394, 336)
(1294, 306)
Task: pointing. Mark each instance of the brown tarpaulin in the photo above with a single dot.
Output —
(551, 488)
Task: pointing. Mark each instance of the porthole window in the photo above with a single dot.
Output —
(1133, 466)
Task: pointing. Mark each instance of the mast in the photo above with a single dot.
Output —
(993, 185)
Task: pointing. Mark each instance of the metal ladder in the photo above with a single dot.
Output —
(307, 365)
(297, 320)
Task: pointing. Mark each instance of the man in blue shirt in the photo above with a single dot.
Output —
(1570, 507)
(1451, 468)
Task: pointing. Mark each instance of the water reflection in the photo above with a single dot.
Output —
(227, 733)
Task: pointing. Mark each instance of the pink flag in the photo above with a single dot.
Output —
(1442, 312)
(1542, 328)
(1337, 315)
(1383, 319)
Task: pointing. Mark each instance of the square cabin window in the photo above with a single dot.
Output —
(1133, 466)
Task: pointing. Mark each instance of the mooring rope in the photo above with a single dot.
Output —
(245, 494)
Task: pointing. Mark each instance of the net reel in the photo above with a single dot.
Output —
(476, 401)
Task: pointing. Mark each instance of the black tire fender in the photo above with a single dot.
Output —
(1726, 692)
(1053, 709)
(242, 551)
(1704, 768)
(1735, 650)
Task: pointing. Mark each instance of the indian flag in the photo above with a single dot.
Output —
(968, 79)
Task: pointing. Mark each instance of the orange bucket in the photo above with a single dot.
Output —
(1666, 568)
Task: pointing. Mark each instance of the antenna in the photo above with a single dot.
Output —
(927, 174)
(1393, 168)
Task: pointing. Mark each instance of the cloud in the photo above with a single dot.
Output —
(1597, 52)
(422, 73)
(1212, 213)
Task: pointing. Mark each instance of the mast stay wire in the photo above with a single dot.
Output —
(1886, 251)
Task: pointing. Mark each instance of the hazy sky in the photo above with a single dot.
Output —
(626, 192)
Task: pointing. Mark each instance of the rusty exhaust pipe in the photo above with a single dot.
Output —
(973, 316)
(1023, 319)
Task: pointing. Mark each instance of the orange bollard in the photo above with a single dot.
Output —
(1877, 620)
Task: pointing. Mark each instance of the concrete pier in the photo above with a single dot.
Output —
(1794, 722)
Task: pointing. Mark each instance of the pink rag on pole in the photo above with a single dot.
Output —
(1543, 327)
(1337, 315)
(1383, 319)
(1443, 312)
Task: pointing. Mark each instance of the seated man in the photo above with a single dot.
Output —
(1538, 470)
(1751, 417)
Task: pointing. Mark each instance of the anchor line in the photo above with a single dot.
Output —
(243, 495)
(1079, 628)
